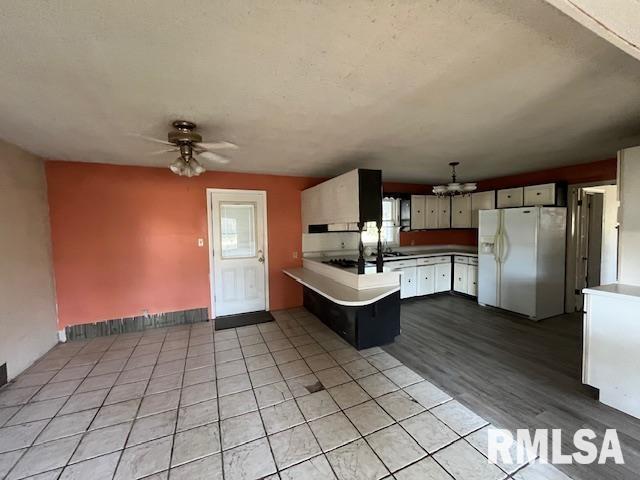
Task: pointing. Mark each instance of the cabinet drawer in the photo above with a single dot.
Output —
(511, 197)
(434, 260)
(540, 195)
(461, 259)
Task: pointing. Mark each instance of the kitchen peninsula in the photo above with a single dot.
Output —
(357, 299)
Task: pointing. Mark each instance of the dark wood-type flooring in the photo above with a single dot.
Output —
(513, 372)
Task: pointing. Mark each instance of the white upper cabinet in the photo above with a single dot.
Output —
(461, 211)
(418, 214)
(340, 200)
(432, 211)
(444, 212)
(511, 197)
(536, 195)
(481, 201)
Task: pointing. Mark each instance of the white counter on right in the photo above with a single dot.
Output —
(611, 352)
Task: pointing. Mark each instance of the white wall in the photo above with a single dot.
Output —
(629, 215)
(316, 243)
(28, 325)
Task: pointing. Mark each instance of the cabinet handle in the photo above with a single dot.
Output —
(537, 193)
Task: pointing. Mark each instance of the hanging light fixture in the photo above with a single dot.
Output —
(454, 187)
(186, 165)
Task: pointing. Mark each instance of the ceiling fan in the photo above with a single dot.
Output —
(192, 149)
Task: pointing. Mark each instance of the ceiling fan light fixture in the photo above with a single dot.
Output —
(196, 167)
(178, 166)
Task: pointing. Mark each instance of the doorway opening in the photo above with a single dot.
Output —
(238, 251)
(592, 240)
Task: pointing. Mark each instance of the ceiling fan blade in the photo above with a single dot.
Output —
(150, 139)
(216, 145)
(160, 152)
(212, 157)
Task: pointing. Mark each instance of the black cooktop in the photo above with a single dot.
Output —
(342, 262)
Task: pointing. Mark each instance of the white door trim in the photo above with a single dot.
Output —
(210, 193)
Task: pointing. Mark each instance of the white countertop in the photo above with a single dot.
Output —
(337, 292)
(631, 292)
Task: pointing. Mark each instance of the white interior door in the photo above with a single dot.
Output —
(519, 260)
(238, 234)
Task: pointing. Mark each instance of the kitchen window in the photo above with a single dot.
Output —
(390, 232)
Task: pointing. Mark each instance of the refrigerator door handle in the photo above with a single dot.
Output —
(504, 247)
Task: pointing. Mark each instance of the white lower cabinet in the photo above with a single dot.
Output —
(433, 275)
(460, 277)
(465, 276)
(426, 280)
(443, 277)
(408, 284)
(472, 280)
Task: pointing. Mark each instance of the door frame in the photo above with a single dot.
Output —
(573, 218)
(210, 192)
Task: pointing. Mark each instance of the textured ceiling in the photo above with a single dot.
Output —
(316, 88)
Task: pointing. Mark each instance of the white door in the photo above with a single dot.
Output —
(518, 259)
(488, 249)
(426, 279)
(472, 280)
(408, 286)
(461, 211)
(444, 212)
(443, 277)
(417, 212)
(431, 209)
(460, 277)
(238, 233)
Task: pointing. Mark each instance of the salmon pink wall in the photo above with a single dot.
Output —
(125, 238)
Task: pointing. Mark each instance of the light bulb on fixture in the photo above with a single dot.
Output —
(178, 166)
(454, 187)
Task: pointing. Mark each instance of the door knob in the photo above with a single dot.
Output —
(260, 256)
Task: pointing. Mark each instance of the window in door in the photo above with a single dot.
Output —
(390, 232)
(237, 230)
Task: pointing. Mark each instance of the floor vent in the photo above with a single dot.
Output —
(3, 374)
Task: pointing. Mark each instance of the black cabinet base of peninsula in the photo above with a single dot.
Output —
(363, 326)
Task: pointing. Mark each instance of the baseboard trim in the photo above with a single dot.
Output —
(119, 326)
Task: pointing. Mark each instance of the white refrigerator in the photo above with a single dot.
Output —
(521, 256)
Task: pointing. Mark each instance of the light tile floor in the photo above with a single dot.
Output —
(287, 399)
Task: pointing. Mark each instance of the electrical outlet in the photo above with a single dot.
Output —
(201, 242)
(295, 254)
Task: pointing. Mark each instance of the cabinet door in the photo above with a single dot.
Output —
(536, 195)
(443, 277)
(461, 211)
(417, 212)
(432, 211)
(426, 280)
(460, 277)
(510, 197)
(481, 201)
(408, 286)
(472, 280)
(444, 212)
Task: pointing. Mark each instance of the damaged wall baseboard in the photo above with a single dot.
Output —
(118, 326)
